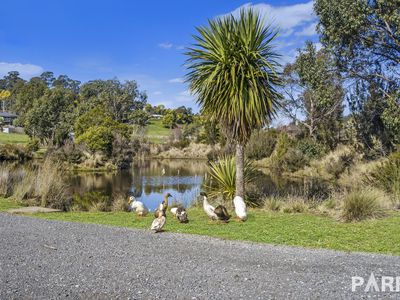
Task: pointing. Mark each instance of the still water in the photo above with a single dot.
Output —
(147, 180)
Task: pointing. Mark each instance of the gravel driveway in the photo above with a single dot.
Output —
(42, 259)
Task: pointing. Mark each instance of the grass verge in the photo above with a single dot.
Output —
(13, 138)
(156, 132)
(377, 235)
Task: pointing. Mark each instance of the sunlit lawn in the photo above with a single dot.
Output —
(13, 138)
(156, 132)
(306, 230)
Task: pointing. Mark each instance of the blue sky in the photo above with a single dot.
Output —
(140, 40)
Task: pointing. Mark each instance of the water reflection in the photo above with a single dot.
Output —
(147, 180)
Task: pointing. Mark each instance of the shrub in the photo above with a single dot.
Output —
(333, 165)
(120, 203)
(14, 152)
(310, 148)
(362, 204)
(69, 152)
(387, 175)
(223, 175)
(294, 159)
(99, 138)
(289, 155)
(33, 145)
(295, 205)
(261, 144)
(99, 206)
(273, 204)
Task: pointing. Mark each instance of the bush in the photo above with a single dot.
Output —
(33, 145)
(287, 155)
(99, 138)
(273, 204)
(310, 148)
(294, 159)
(295, 206)
(387, 175)
(261, 144)
(120, 203)
(14, 152)
(362, 204)
(333, 165)
(223, 175)
(69, 152)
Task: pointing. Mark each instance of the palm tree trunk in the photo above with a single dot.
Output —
(240, 170)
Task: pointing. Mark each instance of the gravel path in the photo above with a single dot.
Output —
(42, 259)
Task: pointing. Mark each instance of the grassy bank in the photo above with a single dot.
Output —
(13, 138)
(156, 132)
(380, 235)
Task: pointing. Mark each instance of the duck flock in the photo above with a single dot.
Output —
(214, 213)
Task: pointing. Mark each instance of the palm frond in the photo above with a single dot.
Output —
(232, 71)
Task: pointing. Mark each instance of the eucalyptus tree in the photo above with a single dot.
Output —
(232, 70)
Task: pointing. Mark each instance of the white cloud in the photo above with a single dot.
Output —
(309, 30)
(180, 47)
(165, 45)
(286, 17)
(186, 97)
(157, 93)
(176, 80)
(25, 70)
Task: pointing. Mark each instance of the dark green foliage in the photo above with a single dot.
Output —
(69, 152)
(33, 145)
(116, 98)
(14, 152)
(261, 144)
(169, 120)
(98, 131)
(310, 148)
(223, 174)
(286, 156)
(139, 117)
(50, 119)
(314, 95)
(361, 32)
(364, 38)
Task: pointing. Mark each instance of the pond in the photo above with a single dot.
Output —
(148, 181)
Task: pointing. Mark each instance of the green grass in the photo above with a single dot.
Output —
(13, 138)
(156, 132)
(380, 235)
(6, 204)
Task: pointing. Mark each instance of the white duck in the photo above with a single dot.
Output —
(139, 207)
(208, 208)
(158, 223)
(240, 208)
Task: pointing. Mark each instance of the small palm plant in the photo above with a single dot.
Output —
(223, 174)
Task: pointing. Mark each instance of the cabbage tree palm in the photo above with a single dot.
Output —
(232, 72)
